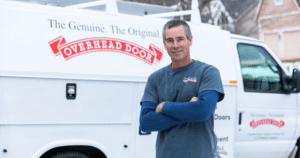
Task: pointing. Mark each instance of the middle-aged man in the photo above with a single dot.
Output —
(180, 99)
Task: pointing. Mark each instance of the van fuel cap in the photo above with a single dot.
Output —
(71, 90)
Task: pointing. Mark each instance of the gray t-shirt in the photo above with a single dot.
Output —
(190, 139)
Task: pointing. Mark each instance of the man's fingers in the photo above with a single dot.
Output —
(194, 99)
(159, 107)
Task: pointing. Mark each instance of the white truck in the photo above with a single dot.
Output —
(71, 82)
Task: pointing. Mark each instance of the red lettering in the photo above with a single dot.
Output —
(254, 124)
(83, 46)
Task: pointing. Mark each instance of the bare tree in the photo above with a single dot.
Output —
(232, 7)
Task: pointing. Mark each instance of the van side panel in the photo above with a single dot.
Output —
(102, 112)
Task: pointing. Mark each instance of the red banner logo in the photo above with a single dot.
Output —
(254, 124)
(97, 44)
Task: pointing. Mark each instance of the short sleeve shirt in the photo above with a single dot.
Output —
(190, 139)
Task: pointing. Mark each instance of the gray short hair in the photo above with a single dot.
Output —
(173, 23)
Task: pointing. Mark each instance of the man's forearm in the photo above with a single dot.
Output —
(195, 111)
(154, 121)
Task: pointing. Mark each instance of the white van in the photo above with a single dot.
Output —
(71, 82)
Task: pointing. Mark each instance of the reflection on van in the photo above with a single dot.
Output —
(259, 70)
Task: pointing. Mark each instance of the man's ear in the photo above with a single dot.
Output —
(191, 40)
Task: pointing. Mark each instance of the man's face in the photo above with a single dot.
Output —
(177, 44)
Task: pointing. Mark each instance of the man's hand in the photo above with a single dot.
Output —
(194, 99)
(159, 107)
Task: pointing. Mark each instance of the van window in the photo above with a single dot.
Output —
(260, 72)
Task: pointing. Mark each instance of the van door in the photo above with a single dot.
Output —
(266, 116)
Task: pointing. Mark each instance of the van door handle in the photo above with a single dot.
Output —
(143, 133)
(240, 118)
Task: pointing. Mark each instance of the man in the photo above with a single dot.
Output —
(180, 99)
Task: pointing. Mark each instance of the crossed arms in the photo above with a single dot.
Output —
(155, 117)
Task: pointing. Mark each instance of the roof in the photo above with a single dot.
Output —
(234, 6)
(263, 4)
(246, 23)
(254, 6)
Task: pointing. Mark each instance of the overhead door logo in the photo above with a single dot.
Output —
(254, 124)
(98, 44)
(191, 79)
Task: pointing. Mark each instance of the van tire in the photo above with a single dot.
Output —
(297, 153)
(70, 154)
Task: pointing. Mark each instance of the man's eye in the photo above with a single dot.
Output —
(169, 41)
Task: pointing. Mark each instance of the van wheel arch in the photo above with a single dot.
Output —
(80, 150)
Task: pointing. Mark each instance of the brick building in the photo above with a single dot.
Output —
(279, 27)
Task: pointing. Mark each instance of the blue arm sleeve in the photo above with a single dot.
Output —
(153, 121)
(194, 111)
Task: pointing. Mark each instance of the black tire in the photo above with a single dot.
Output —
(69, 154)
(297, 153)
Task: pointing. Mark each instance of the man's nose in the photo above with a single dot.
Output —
(175, 45)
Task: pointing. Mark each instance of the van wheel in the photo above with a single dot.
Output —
(69, 154)
(297, 153)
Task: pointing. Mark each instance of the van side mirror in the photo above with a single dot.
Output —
(286, 83)
(295, 83)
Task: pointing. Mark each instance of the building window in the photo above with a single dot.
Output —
(278, 2)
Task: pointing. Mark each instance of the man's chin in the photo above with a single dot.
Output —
(177, 59)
